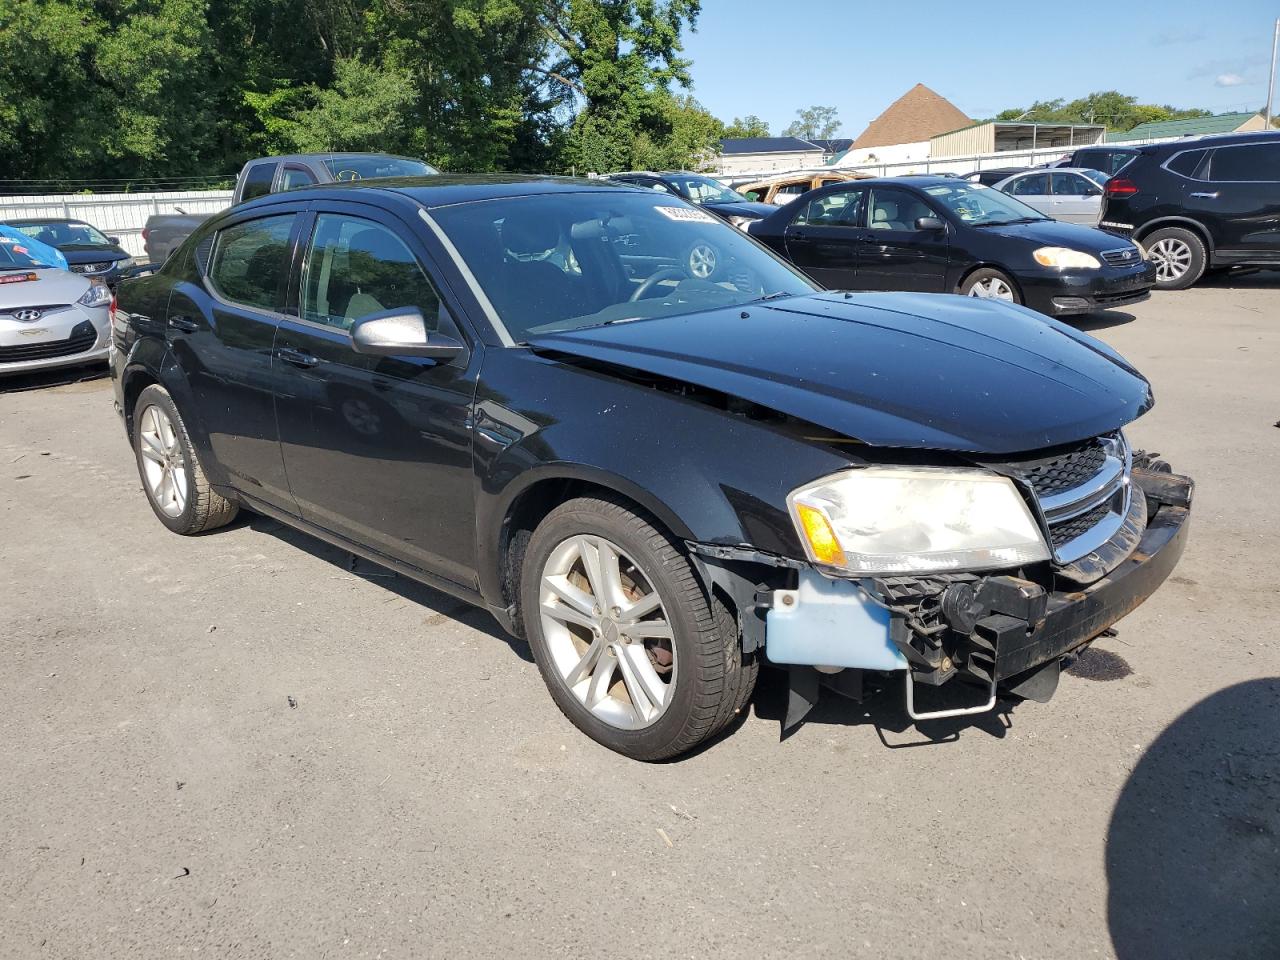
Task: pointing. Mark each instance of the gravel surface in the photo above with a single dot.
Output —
(239, 745)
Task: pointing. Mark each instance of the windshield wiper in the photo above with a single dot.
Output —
(1005, 223)
(776, 295)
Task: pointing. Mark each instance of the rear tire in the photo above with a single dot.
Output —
(683, 647)
(172, 478)
(988, 283)
(1179, 256)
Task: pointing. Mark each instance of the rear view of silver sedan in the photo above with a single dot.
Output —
(48, 317)
(1070, 194)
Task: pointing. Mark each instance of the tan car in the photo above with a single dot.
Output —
(784, 188)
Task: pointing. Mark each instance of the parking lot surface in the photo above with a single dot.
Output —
(245, 745)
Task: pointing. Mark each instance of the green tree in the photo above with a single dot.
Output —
(820, 123)
(748, 126)
(1108, 107)
(619, 58)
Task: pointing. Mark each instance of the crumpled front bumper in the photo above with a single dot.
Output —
(1051, 624)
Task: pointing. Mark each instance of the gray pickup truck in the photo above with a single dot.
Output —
(165, 232)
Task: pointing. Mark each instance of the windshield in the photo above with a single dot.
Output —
(375, 167)
(14, 256)
(563, 261)
(706, 190)
(981, 206)
(64, 233)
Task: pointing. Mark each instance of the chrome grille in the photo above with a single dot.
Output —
(1122, 258)
(1083, 493)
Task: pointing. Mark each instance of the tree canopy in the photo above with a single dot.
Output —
(1108, 107)
(820, 123)
(183, 88)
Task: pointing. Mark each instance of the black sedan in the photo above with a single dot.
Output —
(702, 190)
(942, 235)
(88, 250)
(660, 480)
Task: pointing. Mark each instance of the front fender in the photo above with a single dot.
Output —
(704, 473)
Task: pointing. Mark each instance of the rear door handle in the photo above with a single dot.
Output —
(297, 357)
(1206, 196)
(185, 324)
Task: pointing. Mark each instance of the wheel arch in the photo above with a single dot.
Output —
(1195, 226)
(991, 265)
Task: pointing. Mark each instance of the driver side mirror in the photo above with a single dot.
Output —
(115, 240)
(401, 333)
(929, 223)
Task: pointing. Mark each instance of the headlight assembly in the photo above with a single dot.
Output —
(96, 296)
(904, 520)
(124, 264)
(1066, 258)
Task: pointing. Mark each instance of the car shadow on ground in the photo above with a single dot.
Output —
(1244, 278)
(1102, 320)
(47, 379)
(1193, 849)
(434, 603)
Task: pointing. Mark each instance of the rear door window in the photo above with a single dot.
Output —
(250, 261)
(1249, 163)
(257, 180)
(1071, 185)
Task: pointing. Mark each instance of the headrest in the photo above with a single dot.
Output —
(885, 210)
(529, 233)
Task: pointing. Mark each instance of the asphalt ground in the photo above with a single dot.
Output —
(243, 745)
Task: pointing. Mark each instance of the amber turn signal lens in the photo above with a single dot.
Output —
(822, 539)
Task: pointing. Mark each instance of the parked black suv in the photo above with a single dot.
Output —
(1110, 160)
(704, 191)
(1200, 205)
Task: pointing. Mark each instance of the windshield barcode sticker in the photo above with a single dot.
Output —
(686, 215)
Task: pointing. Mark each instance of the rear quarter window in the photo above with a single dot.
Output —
(1186, 164)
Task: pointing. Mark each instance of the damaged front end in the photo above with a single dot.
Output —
(1114, 523)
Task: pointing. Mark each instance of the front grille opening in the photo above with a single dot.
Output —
(1066, 470)
(82, 339)
(1065, 531)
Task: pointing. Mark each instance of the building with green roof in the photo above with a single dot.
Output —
(1191, 127)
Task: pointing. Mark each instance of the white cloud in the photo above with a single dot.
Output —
(1228, 80)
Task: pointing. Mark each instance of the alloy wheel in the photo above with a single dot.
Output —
(164, 468)
(702, 261)
(607, 631)
(1172, 258)
(992, 288)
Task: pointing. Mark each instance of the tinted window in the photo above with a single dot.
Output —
(1071, 185)
(357, 267)
(893, 209)
(257, 182)
(1037, 184)
(250, 259)
(1250, 162)
(841, 209)
(568, 260)
(295, 177)
(1187, 163)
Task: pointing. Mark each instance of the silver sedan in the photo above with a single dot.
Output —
(1072, 194)
(48, 317)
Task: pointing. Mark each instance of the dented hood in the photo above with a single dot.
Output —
(922, 371)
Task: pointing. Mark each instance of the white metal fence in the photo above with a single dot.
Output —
(121, 215)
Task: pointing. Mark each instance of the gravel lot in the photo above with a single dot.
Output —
(239, 746)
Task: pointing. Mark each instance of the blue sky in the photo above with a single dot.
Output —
(770, 57)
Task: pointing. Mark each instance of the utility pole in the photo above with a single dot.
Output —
(1271, 77)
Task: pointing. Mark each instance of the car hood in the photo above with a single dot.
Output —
(53, 287)
(1055, 233)
(920, 371)
(742, 208)
(90, 253)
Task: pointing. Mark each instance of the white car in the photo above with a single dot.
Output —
(48, 317)
(1071, 194)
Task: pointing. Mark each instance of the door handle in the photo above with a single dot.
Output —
(297, 357)
(1206, 196)
(185, 324)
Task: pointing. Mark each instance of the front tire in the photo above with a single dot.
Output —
(988, 283)
(1179, 256)
(624, 636)
(172, 478)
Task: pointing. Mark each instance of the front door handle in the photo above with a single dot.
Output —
(297, 357)
(1206, 196)
(185, 324)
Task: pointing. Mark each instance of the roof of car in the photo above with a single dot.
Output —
(335, 155)
(1218, 140)
(32, 221)
(442, 190)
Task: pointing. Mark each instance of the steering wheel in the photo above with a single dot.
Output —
(667, 273)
